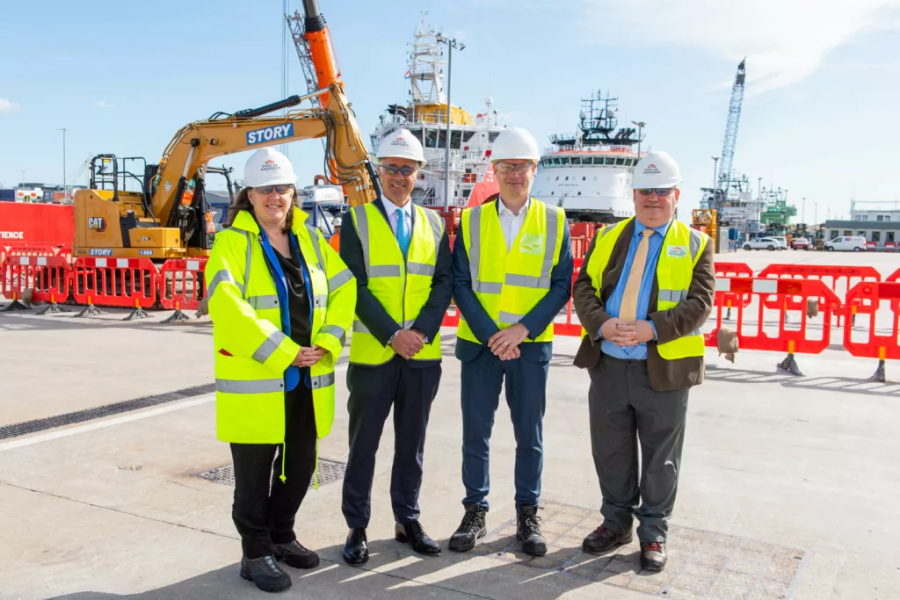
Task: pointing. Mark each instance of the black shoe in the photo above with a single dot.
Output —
(413, 534)
(602, 540)
(653, 556)
(265, 573)
(528, 530)
(295, 555)
(471, 529)
(356, 552)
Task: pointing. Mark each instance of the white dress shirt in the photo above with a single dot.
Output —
(391, 209)
(511, 223)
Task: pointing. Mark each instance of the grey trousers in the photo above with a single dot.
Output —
(625, 411)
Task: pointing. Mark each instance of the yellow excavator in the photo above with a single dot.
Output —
(167, 215)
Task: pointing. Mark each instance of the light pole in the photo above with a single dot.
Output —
(803, 212)
(715, 166)
(23, 176)
(816, 214)
(640, 126)
(451, 44)
(65, 185)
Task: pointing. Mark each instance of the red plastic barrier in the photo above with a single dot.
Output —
(832, 276)
(66, 253)
(580, 246)
(181, 283)
(890, 247)
(125, 282)
(893, 277)
(52, 280)
(871, 245)
(19, 273)
(27, 250)
(876, 346)
(776, 293)
(729, 269)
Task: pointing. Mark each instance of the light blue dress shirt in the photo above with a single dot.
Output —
(638, 352)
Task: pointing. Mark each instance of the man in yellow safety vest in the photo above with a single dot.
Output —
(512, 265)
(400, 254)
(646, 287)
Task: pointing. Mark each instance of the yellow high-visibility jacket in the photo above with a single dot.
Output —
(251, 351)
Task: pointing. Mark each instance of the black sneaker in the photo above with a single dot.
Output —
(265, 573)
(528, 530)
(471, 529)
(295, 555)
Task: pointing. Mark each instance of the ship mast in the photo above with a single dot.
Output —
(425, 67)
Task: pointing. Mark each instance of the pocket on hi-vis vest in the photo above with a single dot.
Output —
(532, 243)
(677, 251)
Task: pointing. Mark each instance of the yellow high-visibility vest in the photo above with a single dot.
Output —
(510, 282)
(681, 249)
(401, 285)
(251, 351)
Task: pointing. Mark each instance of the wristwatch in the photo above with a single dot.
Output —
(392, 338)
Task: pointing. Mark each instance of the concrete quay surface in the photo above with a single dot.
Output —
(789, 486)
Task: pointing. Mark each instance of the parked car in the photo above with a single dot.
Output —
(801, 243)
(855, 243)
(782, 241)
(765, 243)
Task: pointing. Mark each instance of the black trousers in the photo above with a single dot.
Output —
(264, 506)
(373, 390)
(624, 412)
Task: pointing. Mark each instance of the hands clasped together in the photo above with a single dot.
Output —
(625, 334)
(408, 343)
(307, 357)
(505, 343)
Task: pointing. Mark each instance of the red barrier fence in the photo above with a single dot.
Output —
(182, 284)
(732, 299)
(124, 282)
(875, 346)
(839, 278)
(53, 280)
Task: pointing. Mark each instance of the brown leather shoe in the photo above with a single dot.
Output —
(653, 556)
(602, 540)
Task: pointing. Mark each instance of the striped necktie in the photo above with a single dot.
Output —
(628, 308)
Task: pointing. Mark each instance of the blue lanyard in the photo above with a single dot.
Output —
(292, 374)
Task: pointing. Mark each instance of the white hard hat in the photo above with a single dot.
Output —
(402, 144)
(268, 167)
(656, 170)
(336, 222)
(515, 143)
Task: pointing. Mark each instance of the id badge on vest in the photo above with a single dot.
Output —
(532, 243)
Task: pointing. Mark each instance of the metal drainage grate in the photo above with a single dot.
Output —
(19, 429)
(329, 471)
(702, 564)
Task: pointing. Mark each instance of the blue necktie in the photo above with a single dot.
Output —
(402, 232)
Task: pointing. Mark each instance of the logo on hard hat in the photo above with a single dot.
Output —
(399, 141)
(270, 165)
(651, 170)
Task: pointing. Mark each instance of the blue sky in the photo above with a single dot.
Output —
(820, 117)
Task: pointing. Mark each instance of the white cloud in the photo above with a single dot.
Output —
(8, 106)
(104, 104)
(784, 41)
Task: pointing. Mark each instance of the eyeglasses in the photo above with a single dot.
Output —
(658, 191)
(392, 170)
(268, 189)
(505, 167)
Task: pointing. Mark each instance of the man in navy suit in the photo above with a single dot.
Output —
(512, 266)
(400, 255)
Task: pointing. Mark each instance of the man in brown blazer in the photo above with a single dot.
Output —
(643, 349)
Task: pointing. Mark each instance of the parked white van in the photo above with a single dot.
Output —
(856, 243)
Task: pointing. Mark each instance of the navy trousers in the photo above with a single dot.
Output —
(373, 390)
(526, 395)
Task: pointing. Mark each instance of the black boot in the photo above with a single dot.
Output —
(265, 573)
(295, 555)
(471, 529)
(356, 550)
(414, 535)
(528, 530)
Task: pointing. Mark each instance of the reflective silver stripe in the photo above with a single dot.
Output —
(696, 240)
(258, 386)
(263, 302)
(606, 230)
(383, 271)
(420, 269)
(247, 266)
(672, 295)
(339, 279)
(475, 247)
(510, 318)
(550, 247)
(320, 301)
(322, 381)
(336, 331)
(487, 287)
(541, 283)
(695, 332)
(218, 278)
(437, 228)
(360, 327)
(269, 346)
(362, 228)
(314, 235)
